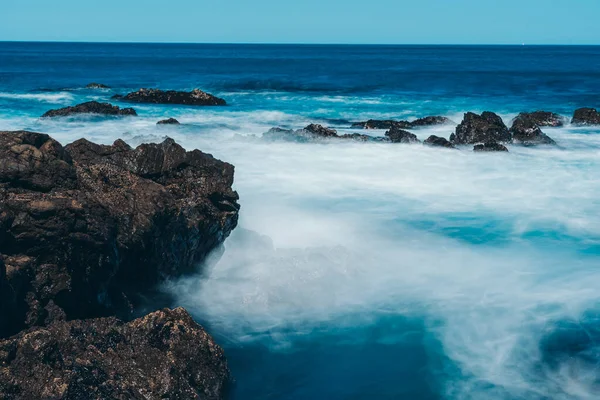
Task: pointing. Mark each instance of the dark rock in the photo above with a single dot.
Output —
(542, 118)
(358, 137)
(91, 107)
(194, 98)
(487, 127)
(170, 121)
(86, 230)
(279, 134)
(436, 141)
(526, 131)
(95, 85)
(321, 131)
(429, 121)
(489, 146)
(382, 124)
(398, 135)
(164, 355)
(586, 116)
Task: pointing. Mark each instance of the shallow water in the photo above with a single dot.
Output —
(370, 270)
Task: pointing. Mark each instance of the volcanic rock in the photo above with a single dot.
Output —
(487, 127)
(397, 135)
(526, 131)
(194, 98)
(169, 121)
(91, 107)
(382, 124)
(489, 146)
(586, 116)
(436, 141)
(430, 121)
(95, 85)
(542, 118)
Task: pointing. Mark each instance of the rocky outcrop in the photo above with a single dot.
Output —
(91, 107)
(526, 131)
(489, 147)
(358, 137)
(169, 121)
(397, 135)
(86, 230)
(320, 131)
(310, 133)
(542, 118)
(436, 141)
(586, 116)
(382, 124)
(155, 96)
(164, 355)
(95, 85)
(430, 121)
(487, 127)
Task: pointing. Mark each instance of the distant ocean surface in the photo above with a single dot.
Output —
(369, 270)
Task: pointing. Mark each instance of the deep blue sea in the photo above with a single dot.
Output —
(370, 270)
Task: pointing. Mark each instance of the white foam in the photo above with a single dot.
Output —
(59, 98)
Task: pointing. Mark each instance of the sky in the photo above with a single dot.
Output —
(304, 21)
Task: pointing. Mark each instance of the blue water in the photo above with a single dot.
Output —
(366, 271)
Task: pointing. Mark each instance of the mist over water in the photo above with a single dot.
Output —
(373, 270)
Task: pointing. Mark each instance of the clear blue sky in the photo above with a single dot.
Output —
(304, 21)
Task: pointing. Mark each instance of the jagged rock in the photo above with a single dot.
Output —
(586, 116)
(429, 121)
(489, 146)
(87, 229)
(487, 127)
(542, 118)
(164, 355)
(169, 121)
(194, 98)
(382, 124)
(436, 141)
(91, 107)
(526, 131)
(321, 131)
(363, 138)
(397, 135)
(95, 85)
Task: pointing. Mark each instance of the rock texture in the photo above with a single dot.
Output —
(169, 121)
(194, 98)
(487, 127)
(526, 131)
(95, 85)
(91, 107)
(430, 121)
(586, 116)
(436, 141)
(397, 135)
(489, 146)
(321, 131)
(164, 355)
(542, 118)
(87, 229)
(382, 124)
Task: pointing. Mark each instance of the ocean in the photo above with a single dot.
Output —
(369, 270)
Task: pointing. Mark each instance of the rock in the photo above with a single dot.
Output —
(526, 131)
(164, 355)
(95, 85)
(586, 116)
(87, 230)
(358, 137)
(436, 141)
(194, 98)
(321, 131)
(489, 146)
(429, 121)
(542, 118)
(91, 107)
(487, 127)
(397, 135)
(170, 121)
(382, 124)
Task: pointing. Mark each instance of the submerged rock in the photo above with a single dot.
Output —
(430, 121)
(489, 146)
(363, 138)
(397, 135)
(487, 127)
(436, 141)
(541, 118)
(91, 107)
(95, 85)
(320, 130)
(164, 355)
(526, 131)
(169, 121)
(87, 229)
(586, 116)
(194, 98)
(382, 124)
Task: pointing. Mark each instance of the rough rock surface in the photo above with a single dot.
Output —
(436, 141)
(542, 118)
(430, 121)
(526, 131)
(320, 130)
(164, 355)
(382, 124)
(194, 98)
(487, 127)
(489, 146)
(95, 85)
(91, 107)
(87, 229)
(169, 121)
(586, 116)
(397, 135)
(358, 137)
